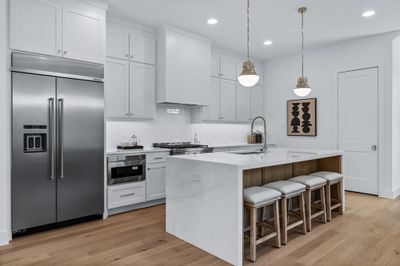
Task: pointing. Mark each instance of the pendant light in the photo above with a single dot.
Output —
(248, 77)
(302, 88)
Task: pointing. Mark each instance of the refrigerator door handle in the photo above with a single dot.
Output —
(60, 136)
(51, 138)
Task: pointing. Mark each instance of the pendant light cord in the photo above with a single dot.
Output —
(248, 30)
(302, 44)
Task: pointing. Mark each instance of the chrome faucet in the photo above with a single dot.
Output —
(264, 149)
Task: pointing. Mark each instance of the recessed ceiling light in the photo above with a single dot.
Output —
(212, 21)
(267, 43)
(368, 13)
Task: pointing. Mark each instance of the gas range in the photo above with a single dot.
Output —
(181, 148)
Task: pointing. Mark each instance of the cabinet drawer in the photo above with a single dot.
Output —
(126, 194)
(157, 157)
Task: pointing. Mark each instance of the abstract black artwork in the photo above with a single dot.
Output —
(302, 117)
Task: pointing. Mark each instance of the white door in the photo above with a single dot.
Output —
(257, 101)
(155, 181)
(215, 65)
(118, 44)
(142, 90)
(35, 26)
(211, 112)
(83, 35)
(143, 49)
(228, 100)
(116, 88)
(243, 103)
(228, 68)
(358, 128)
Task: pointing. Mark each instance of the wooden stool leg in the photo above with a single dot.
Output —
(284, 220)
(328, 202)
(253, 233)
(308, 209)
(340, 198)
(276, 223)
(323, 203)
(303, 213)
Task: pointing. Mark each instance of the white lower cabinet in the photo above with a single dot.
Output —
(155, 181)
(126, 194)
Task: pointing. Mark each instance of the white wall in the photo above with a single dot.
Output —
(174, 127)
(5, 137)
(322, 66)
(396, 117)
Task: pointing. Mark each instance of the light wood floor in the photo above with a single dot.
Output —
(368, 234)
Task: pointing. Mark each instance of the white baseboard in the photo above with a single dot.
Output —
(390, 194)
(396, 192)
(4, 238)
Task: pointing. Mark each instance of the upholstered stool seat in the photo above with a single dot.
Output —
(333, 180)
(256, 198)
(289, 191)
(313, 183)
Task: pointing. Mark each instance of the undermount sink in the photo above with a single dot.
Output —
(247, 152)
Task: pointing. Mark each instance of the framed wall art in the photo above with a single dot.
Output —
(302, 117)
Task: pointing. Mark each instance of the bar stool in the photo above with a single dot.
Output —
(313, 183)
(332, 179)
(256, 198)
(290, 190)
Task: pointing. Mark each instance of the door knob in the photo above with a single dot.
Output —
(373, 147)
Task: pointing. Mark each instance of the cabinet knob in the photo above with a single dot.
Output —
(127, 55)
(59, 51)
(131, 114)
(222, 75)
(65, 52)
(132, 56)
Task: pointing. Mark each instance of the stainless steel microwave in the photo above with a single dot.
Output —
(124, 169)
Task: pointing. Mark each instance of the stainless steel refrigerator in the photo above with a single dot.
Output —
(57, 140)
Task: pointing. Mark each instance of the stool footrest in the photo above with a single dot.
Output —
(265, 238)
(295, 224)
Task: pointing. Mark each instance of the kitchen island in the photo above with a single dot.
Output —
(204, 192)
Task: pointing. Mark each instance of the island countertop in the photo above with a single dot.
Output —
(274, 156)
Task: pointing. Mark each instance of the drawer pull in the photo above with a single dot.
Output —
(158, 158)
(127, 195)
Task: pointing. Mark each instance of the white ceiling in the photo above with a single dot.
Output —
(326, 22)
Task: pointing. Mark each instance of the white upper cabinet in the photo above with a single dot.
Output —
(127, 43)
(64, 28)
(116, 88)
(183, 67)
(118, 44)
(257, 101)
(143, 49)
(211, 112)
(35, 26)
(228, 100)
(243, 103)
(142, 90)
(83, 34)
(224, 66)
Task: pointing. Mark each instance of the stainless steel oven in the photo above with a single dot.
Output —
(124, 169)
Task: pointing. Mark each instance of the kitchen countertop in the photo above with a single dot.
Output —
(235, 145)
(144, 150)
(274, 156)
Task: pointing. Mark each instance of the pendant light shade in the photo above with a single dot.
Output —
(302, 88)
(248, 77)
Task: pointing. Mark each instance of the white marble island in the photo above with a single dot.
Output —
(204, 192)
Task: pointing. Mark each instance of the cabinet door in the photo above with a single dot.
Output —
(142, 49)
(117, 88)
(35, 26)
(243, 103)
(228, 68)
(142, 90)
(211, 112)
(228, 100)
(215, 59)
(257, 101)
(117, 44)
(83, 34)
(155, 181)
